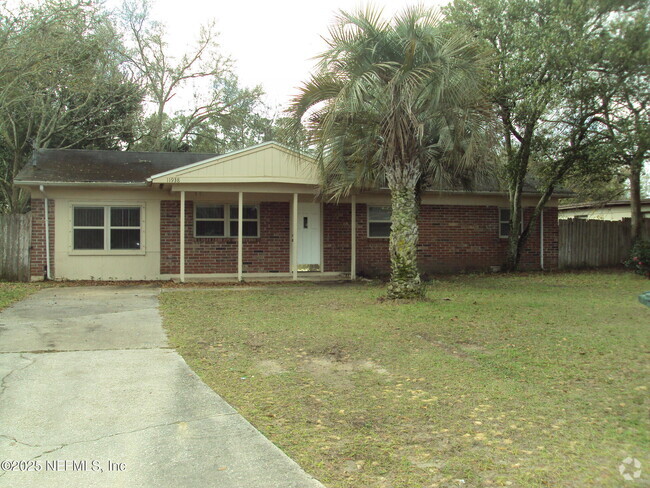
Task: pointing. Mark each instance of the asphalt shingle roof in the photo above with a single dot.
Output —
(88, 166)
(126, 167)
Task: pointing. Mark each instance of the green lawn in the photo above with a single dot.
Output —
(526, 380)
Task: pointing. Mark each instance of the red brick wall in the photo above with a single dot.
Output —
(37, 254)
(268, 253)
(551, 238)
(452, 238)
(336, 237)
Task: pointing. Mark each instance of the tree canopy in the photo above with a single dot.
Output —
(555, 85)
(74, 75)
(220, 115)
(61, 85)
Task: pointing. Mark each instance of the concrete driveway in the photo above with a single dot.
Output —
(91, 395)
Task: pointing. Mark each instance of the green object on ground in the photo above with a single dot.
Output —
(645, 298)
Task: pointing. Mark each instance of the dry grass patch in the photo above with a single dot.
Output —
(11, 292)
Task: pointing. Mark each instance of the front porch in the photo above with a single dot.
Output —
(251, 214)
(223, 236)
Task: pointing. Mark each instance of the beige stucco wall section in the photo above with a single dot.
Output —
(144, 265)
(265, 163)
(607, 213)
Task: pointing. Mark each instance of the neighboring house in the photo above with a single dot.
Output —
(614, 210)
(148, 216)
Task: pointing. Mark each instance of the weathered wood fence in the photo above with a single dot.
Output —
(15, 239)
(595, 243)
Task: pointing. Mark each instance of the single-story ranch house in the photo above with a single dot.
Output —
(248, 214)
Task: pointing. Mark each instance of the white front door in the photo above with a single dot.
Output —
(309, 235)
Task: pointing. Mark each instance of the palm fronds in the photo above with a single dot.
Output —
(394, 95)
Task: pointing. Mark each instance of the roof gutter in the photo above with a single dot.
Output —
(556, 194)
(600, 205)
(82, 183)
(149, 182)
(481, 192)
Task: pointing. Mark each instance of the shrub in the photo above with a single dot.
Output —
(639, 260)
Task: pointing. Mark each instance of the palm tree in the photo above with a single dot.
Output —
(396, 104)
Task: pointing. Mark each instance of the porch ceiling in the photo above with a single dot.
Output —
(246, 187)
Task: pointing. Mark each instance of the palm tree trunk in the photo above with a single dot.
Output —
(405, 279)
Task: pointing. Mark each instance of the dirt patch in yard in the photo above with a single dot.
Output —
(326, 370)
(337, 373)
(460, 350)
(269, 367)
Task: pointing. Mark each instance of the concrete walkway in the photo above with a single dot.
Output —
(90, 395)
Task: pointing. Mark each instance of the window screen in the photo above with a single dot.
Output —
(504, 222)
(125, 227)
(249, 220)
(92, 225)
(210, 221)
(379, 222)
(222, 220)
(88, 228)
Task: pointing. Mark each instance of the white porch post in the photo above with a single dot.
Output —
(353, 251)
(322, 238)
(182, 270)
(240, 237)
(294, 253)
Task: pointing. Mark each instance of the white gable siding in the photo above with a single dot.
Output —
(268, 163)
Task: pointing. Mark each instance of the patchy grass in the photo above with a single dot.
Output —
(11, 292)
(525, 380)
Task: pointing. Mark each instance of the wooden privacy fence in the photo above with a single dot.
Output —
(15, 239)
(595, 243)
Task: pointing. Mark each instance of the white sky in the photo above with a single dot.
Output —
(272, 42)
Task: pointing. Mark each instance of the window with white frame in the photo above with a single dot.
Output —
(504, 223)
(125, 228)
(250, 220)
(209, 221)
(220, 220)
(88, 228)
(379, 222)
(106, 228)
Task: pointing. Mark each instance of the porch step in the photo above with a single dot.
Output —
(312, 276)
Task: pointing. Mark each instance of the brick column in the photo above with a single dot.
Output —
(38, 253)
